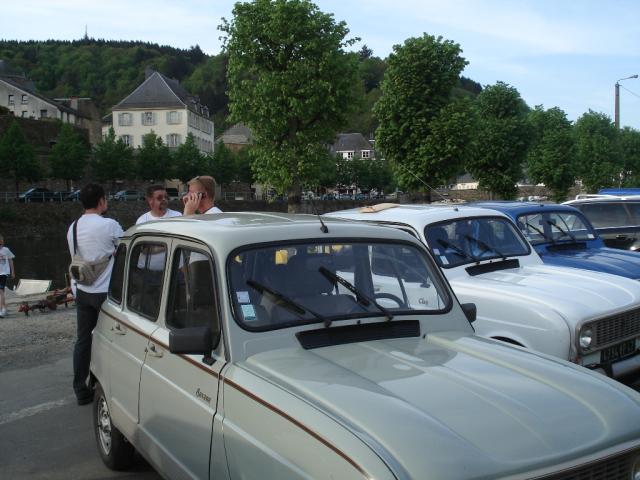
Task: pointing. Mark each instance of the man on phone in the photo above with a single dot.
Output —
(200, 197)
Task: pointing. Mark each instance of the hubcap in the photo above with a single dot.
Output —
(104, 425)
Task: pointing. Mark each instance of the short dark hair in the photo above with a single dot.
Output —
(151, 189)
(91, 194)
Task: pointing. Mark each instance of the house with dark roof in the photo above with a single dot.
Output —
(352, 145)
(236, 137)
(161, 105)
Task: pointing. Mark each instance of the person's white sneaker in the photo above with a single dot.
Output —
(3, 313)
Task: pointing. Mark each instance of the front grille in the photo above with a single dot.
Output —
(616, 328)
(611, 468)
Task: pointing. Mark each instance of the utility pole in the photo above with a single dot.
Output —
(616, 115)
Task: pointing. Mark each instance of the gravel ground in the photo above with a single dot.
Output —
(28, 341)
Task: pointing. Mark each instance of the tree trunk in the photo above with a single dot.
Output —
(294, 198)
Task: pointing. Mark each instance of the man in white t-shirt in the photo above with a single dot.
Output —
(6, 270)
(97, 238)
(158, 201)
(199, 199)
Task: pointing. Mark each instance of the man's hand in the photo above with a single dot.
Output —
(191, 201)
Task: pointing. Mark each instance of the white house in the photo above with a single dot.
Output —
(352, 145)
(161, 105)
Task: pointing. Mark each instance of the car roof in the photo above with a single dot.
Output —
(225, 232)
(515, 209)
(595, 198)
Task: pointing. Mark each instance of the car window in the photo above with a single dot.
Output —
(146, 273)
(192, 300)
(634, 210)
(550, 227)
(277, 287)
(603, 215)
(117, 274)
(469, 240)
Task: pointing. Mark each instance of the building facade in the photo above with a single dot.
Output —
(353, 146)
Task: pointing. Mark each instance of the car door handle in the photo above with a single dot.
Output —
(118, 330)
(153, 351)
(621, 237)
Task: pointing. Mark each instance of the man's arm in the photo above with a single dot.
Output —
(13, 272)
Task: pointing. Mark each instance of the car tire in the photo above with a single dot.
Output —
(115, 449)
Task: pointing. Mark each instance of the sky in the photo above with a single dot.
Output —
(563, 53)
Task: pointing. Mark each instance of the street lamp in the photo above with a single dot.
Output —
(617, 102)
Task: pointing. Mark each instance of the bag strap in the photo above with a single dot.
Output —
(75, 237)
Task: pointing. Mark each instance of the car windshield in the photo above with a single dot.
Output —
(281, 286)
(555, 227)
(470, 240)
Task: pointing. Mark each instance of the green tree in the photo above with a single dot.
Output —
(291, 82)
(598, 156)
(17, 158)
(422, 131)
(630, 151)
(222, 165)
(243, 166)
(501, 141)
(373, 173)
(153, 159)
(188, 162)
(551, 157)
(113, 160)
(68, 156)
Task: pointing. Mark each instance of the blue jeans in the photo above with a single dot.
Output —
(87, 310)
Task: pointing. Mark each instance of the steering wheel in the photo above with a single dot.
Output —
(390, 296)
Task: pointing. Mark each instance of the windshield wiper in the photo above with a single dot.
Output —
(564, 232)
(551, 239)
(486, 247)
(286, 302)
(361, 298)
(456, 249)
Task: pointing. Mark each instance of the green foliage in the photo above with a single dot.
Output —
(291, 82)
(68, 157)
(422, 131)
(372, 174)
(501, 141)
(630, 150)
(243, 165)
(599, 162)
(113, 160)
(9, 214)
(17, 159)
(223, 164)
(188, 162)
(153, 159)
(551, 157)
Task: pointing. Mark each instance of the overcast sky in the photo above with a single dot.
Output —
(566, 53)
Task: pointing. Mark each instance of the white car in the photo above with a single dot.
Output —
(231, 346)
(590, 318)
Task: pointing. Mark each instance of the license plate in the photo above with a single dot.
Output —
(611, 354)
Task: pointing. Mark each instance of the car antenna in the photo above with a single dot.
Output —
(426, 184)
(323, 227)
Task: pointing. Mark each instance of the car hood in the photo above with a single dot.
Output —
(608, 260)
(574, 293)
(428, 403)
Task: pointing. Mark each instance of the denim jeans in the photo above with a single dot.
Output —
(87, 310)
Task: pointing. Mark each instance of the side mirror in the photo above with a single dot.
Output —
(192, 340)
(470, 311)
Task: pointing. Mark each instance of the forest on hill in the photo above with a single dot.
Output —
(108, 70)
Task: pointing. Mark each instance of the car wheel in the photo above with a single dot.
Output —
(114, 448)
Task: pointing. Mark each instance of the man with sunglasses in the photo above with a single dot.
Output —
(158, 200)
(201, 195)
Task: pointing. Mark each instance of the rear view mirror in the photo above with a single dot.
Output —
(193, 340)
(470, 311)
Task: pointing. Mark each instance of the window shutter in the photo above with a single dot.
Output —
(168, 138)
(153, 118)
(168, 118)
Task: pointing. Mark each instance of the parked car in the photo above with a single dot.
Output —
(60, 195)
(37, 194)
(590, 318)
(73, 196)
(563, 236)
(616, 218)
(224, 351)
(127, 195)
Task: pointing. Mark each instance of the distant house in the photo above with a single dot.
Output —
(236, 137)
(352, 145)
(161, 105)
(465, 182)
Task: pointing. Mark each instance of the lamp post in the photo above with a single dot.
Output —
(617, 101)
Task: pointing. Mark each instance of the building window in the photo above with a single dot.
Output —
(125, 119)
(366, 153)
(173, 118)
(25, 99)
(347, 155)
(12, 101)
(127, 139)
(25, 113)
(44, 114)
(173, 140)
(148, 118)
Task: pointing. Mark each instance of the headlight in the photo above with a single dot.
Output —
(635, 473)
(586, 337)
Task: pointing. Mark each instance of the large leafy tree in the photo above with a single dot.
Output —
(551, 157)
(422, 131)
(292, 83)
(597, 151)
(222, 165)
(630, 151)
(17, 158)
(502, 140)
(373, 173)
(153, 159)
(188, 161)
(113, 160)
(68, 156)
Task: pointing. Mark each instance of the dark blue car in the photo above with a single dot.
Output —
(563, 236)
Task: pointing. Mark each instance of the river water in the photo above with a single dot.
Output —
(40, 258)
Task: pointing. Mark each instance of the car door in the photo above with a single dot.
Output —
(133, 326)
(179, 392)
(613, 223)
